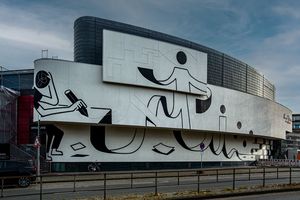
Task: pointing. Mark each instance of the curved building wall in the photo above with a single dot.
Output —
(153, 98)
(129, 105)
(128, 123)
(222, 70)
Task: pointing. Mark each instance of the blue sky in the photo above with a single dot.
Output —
(263, 33)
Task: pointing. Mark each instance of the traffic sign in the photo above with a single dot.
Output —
(37, 143)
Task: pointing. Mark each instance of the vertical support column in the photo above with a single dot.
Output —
(277, 173)
(217, 175)
(178, 178)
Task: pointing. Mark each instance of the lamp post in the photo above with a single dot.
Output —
(38, 149)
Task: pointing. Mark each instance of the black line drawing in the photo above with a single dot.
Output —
(45, 95)
(222, 143)
(149, 122)
(202, 105)
(154, 104)
(215, 149)
(55, 136)
(219, 149)
(46, 101)
(173, 78)
(80, 155)
(180, 140)
(106, 119)
(71, 96)
(184, 81)
(97, 138)
(77, 146)
(163, 149)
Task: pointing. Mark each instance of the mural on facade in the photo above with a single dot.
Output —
(184, 79)
(137, 140)
(140, 144)
(46, 101)
(161, 109)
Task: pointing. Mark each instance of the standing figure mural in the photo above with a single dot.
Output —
(184, 81)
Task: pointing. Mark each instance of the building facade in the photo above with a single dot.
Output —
(291, 146)
(16, 108)
(139, 98)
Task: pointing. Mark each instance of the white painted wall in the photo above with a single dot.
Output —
(129, 104)
(117, 137)
(144, 84)
(123, 53)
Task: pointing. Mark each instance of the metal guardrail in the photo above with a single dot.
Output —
(196, 178)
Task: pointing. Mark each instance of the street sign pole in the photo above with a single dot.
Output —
(202, 147)
(201, 158)
(38, 149)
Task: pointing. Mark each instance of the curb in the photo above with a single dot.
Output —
(235, 194)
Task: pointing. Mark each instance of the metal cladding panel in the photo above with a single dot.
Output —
(234, 75)
(215, 69)
(222, 70)
(255, 82)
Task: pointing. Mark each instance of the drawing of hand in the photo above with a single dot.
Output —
(78, 104)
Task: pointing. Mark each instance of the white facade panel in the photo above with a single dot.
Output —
(124, 144)
(134, 60)
(116, 104)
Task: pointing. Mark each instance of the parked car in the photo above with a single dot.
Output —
(21, 173)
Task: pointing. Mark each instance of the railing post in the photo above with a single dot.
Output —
(249, 174)
(233, 179)
(277, 173)
(264, 177)
(131, 180)
(290, 175)
(156, 184)
(104, 187)
(198, 182)
(74, 184)
(2, 185)
(178, 178)
(41, 187)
